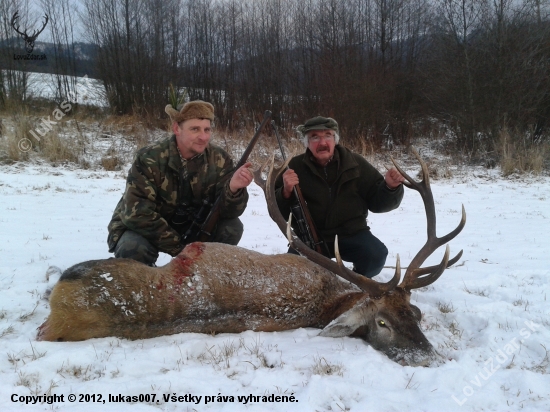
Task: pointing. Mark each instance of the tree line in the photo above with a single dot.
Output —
(387, 70)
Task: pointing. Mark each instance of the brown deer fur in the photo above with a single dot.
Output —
(207, 288)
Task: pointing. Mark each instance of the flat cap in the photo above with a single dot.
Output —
(318, 123)
(197, 109)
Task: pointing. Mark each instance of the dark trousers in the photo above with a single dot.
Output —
(132, 245)
(363, 249)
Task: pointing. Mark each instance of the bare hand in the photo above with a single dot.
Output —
(290, 179)
(241, 178)
(393, 178)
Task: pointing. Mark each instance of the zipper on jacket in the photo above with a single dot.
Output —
(329, 187)
(330, 199)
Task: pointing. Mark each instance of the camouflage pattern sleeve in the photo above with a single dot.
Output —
(233, 204)
(138, 207)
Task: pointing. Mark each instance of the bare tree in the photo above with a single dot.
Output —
(62, 18)
(459, 21)
(14, 80)
(378, 66)
(137, 52)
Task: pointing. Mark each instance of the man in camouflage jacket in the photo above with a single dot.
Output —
(340, 187)
(168, 184)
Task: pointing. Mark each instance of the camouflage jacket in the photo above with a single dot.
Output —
(153, 191)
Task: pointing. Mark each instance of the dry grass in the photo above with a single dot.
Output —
(75, 140)
(323, 368)
(19, 144)
(544, 365)
(445, 307)
(13, 131)
(56, 150)
(137, 130)
(80, 372)
(363, 144)
(521, 154)
(110, 163)
(87, 137)
(7, 331)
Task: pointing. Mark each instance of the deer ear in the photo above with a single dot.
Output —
(416, 312)
(346, 323)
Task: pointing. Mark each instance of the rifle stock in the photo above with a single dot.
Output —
(207, 228)
(303, 219)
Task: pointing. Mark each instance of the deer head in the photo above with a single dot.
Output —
(384, 318)
(29, 40)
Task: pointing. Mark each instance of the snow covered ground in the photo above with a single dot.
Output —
(88, 91)
(488, 316)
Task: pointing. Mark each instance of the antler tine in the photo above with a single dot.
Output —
(258, 179)
(36, 33)
(368, 285)
(14, 18)
(414, 281)
(390, 285)
(430, 269)
(412, 278)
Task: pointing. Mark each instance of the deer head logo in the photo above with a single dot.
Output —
(29, 40)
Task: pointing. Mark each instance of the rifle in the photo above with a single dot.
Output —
(207, 227)
(306, 230)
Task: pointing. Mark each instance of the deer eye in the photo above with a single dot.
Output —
(382, 323)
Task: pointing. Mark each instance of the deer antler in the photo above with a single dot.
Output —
(14, 19)
(13, 23)
(412, 278)
(370, 286)
(36, 33)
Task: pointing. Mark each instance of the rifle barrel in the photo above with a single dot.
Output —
(207, 228)
(313, 240)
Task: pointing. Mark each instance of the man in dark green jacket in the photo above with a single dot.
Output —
(340, 187)
(168, 184)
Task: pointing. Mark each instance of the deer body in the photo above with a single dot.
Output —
(207, 288)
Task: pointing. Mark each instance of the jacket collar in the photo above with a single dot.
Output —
(341, 154)
(347, 161)
(175, 160)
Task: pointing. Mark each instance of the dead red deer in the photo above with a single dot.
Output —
(217, 288)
